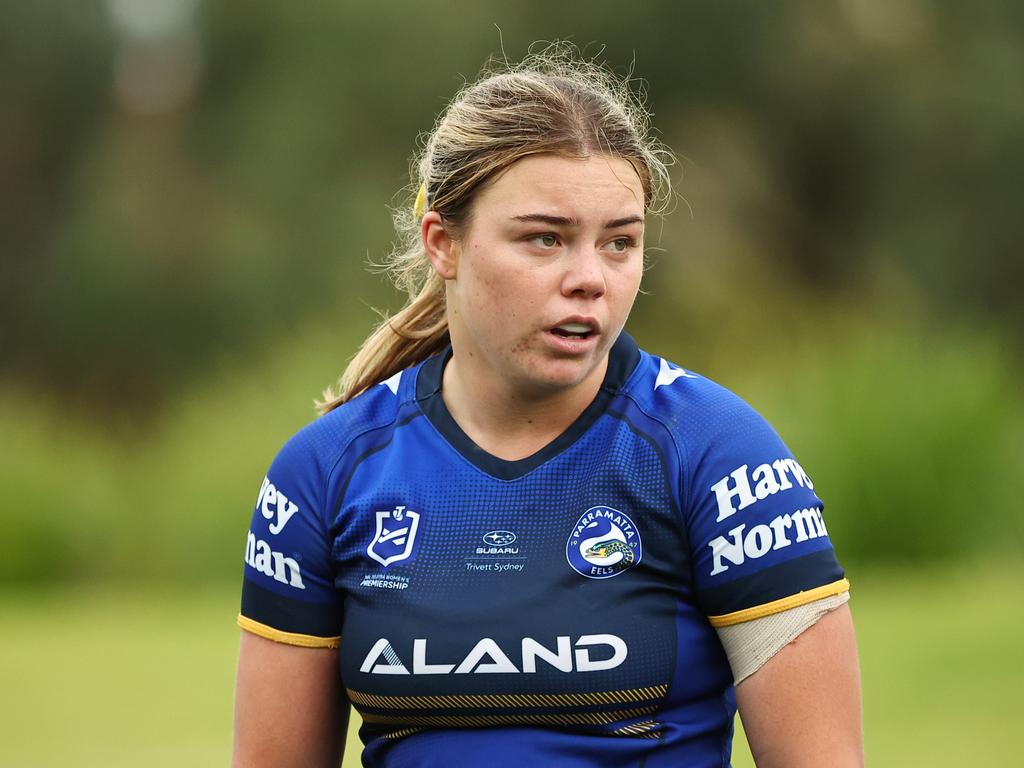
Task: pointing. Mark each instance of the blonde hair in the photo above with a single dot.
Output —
(551, 102)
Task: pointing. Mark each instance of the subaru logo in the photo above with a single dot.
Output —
(499, 538)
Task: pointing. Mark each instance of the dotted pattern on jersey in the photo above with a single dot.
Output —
(718, 433)
(452, 605)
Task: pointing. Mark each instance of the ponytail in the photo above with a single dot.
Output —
(417, 331)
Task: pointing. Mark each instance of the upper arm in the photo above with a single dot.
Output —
(288, 592)
(803, 706)
(289, 707)
(754, 519)
(289, 704)
(761, 550)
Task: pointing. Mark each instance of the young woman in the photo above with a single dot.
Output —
(516, 539)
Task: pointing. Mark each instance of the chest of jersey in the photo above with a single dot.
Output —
(550, 599)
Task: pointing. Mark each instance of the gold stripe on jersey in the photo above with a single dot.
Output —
(645, 729)
(401, 733)
(289, 638)
(483, 721)
(783, 604)
(633, 695)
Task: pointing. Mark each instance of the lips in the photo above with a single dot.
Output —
(576, 328)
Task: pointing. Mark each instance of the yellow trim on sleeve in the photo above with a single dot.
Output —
(783, 604)
(291, 638)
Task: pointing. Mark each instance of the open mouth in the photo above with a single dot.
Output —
(573, 331)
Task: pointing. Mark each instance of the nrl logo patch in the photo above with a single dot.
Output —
(395, 536)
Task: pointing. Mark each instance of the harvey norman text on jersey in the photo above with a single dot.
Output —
(748, 489)
(272, 503)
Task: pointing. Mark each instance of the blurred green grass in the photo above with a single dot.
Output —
(111, 676)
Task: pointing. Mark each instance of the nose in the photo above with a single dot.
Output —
(584, 274)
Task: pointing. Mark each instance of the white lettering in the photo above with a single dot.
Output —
(782, 466)
(260, 556)
(272, 503)
(419, 660)
(804, 475)
(779, 526)
(805, 524)
(294, 578)
(285, 510)
(757, 541)
(383, 660)
(725, 495)
(766, 479)
(794, 469)
(532, 650)
(250, 549)
(269, 501)
(486, 647)
(767, 485)
(721, 547)
(263, 558)
(583, 660)
(383, 648)
(762, 538)
(383, 583)
(820, 521)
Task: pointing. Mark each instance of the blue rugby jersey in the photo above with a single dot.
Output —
(556, 610)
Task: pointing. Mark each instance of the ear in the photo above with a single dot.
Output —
(441, 249)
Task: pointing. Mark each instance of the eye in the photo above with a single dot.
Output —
(621, 244)
(547, 240)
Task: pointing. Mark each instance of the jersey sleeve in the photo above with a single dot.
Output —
(755, 522)
(288, 592)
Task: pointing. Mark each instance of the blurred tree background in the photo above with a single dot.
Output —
(211, 170)
(190, 193)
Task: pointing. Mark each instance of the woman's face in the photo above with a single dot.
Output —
(542, 280)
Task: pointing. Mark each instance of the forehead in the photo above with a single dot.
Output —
(598, 186)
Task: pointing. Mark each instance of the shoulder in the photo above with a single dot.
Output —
(700, 413)
(320, 445)
(753, 516)
(722, 442)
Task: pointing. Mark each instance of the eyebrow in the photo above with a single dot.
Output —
(564, 221)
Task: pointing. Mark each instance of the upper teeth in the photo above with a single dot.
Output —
(575, 327)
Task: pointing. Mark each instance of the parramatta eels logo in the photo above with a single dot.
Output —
(603, 543)
(396, 534)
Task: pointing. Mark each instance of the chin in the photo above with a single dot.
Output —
(561, 376)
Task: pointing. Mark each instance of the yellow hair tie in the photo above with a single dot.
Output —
(420, 206)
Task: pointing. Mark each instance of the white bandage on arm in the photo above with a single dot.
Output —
(750, 644)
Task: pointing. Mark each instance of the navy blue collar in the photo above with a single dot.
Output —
(622, 360)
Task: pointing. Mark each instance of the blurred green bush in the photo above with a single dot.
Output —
(913, 439)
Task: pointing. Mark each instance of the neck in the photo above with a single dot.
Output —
(509, 423)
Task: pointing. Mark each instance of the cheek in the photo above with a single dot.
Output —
(500, 297)
(488, 309)
(636, 276)
(624, 285)
(501, 310)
